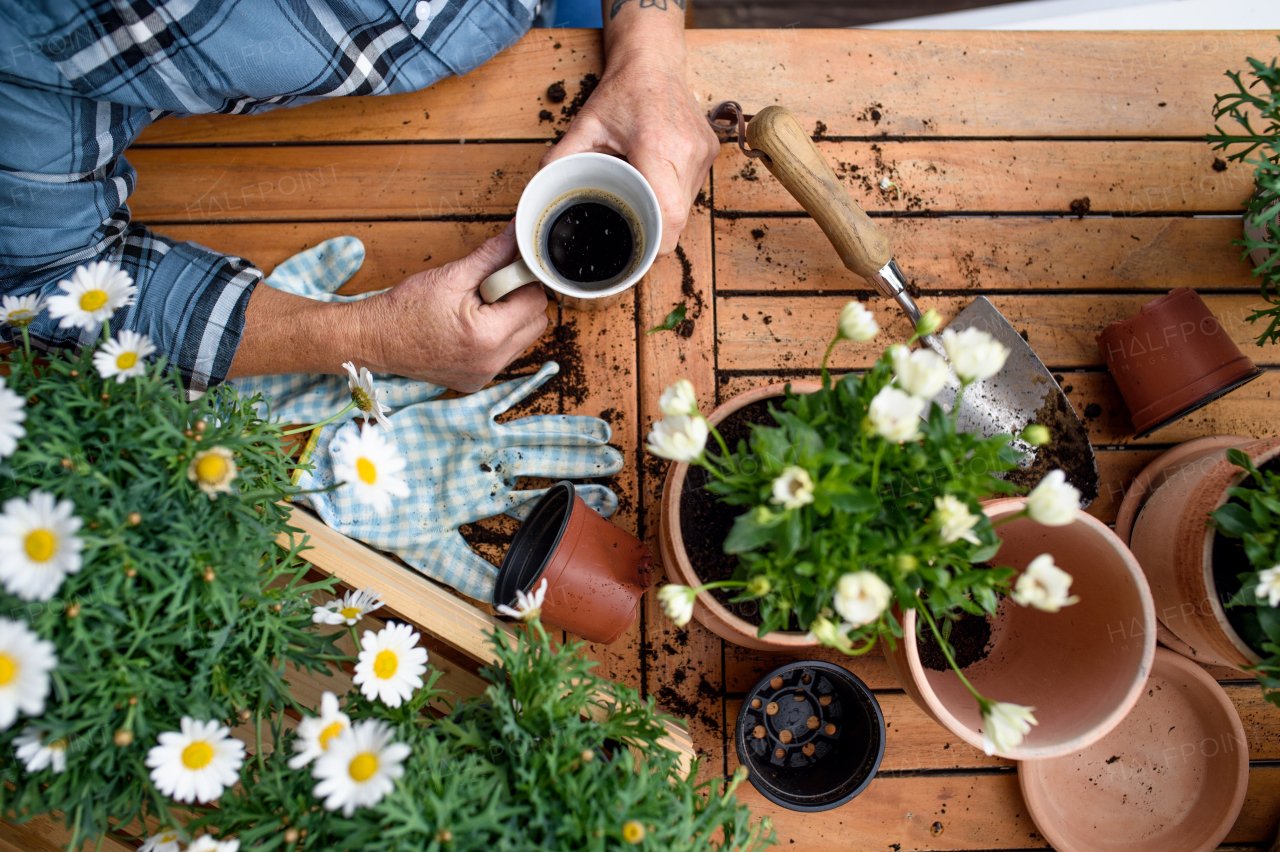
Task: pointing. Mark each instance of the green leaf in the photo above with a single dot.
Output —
(747, 534)
(984, 553)
(1234, 520)
(673, 319)
(855, 500)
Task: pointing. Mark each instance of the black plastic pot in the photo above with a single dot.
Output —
(811, 736)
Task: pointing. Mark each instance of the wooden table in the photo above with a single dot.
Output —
(995, 139)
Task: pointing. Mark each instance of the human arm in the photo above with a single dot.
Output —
(643, 108)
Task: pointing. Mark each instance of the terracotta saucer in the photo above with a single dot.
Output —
(1170, 778)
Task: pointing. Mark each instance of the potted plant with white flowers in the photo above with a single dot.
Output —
(857, 507)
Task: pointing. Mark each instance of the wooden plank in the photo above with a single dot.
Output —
(744, 667)
(1249, 410)
(932, 812)
(43, 833)
(1003, 176)
(856, 82)
(683, 665)
(353, 182)
(951, 254)
(330, 182)
(393, 250)
(782, 332)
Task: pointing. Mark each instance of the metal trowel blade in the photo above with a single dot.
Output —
(1022, 393)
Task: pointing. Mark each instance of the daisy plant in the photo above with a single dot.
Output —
(865, 494)
(145, 605)
(1252, 515)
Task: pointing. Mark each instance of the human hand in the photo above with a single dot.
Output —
(434, 326)
(643, 110)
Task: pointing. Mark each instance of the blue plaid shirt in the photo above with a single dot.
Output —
(79, 80)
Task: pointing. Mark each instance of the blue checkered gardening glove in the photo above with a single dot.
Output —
(317, 273)
(462, 466)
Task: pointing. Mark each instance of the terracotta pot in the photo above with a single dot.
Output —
(1172, 358)
(712, 614)
(811, 735)
(596, 571)
(1171, 777)
(1082, 668)
(1175, 548)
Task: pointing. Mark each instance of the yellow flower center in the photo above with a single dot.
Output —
(633, 831)
(361, 399)
(329, 733)
(20, 317)
(8, 668)
(385, 664)
(366, 470)
(362, 767)
(197, 755)
(40, 545)
(211, 469)
(350, 612)
(59, 744)
(93, 299)
(125, 360)
(168, 837)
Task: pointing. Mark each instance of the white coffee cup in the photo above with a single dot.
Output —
(579, 177)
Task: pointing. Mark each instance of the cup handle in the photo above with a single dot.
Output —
(505, 280)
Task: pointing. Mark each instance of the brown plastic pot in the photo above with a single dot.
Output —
(1081, 668)
(1175, 548)
(596, 572)
(1172, 777)
(1172, 358)
(709, 612)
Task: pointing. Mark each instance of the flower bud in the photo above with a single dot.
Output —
(758, 587)
(929, 322)
(123, 738)
(291, 835)
(1036, 435)
(907, 563)
(135, 518)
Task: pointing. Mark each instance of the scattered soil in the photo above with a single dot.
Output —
(693, 301)
(1069, 450)
(970, 643)
(705, 521)
(872, 113)
(1219, 164)
(586, 86)
(757, 234)
(563, 348)
(1080, 207)
(748, 172)
(545, 115)
(819, 130)
(556, 93)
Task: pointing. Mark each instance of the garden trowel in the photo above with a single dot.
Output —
(1022, 393)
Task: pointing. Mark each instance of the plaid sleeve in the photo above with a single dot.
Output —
(191, 303)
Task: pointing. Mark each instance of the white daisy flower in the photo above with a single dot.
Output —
(1044, 586)
(360, 767)
(20, 311)
(973, 353)
(793, 488)
(390, 664)
(920, 373)
(92, 295)
(166, 840)
(209, 843)
(896, 415)
(365, 395)
(680, 438)
(857, 323)
(35, 754)
(1004, 726)
(954, 520)
(830, 634)
(317, 733)
(861, 596)
(123, 357)
(679, 399)
(38, 545)
(1054, 502)
(369, 463)
(1268, 588)
(348, 609)
(213, 470)
(197, 763)
(677, 602)
(528, 606)
(25, 663)
(12, 414)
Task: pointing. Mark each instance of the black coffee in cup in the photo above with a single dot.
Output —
(591, 239)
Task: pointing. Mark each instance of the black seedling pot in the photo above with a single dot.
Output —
(811, 736)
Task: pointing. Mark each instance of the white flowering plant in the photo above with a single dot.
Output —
(864, 494)
(1252, 516)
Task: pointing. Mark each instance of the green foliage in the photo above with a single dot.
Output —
(871, 510)
(540, 762)
(194, 611)
(673, 319)
(1260, 97)
(1253, 516)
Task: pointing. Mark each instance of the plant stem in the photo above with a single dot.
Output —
(923, 609)
(827, 357)
(322, 423)
(26, 341)
(355, 638)
(875, 466)
(724, 448)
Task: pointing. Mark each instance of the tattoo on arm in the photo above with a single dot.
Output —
(644, 4)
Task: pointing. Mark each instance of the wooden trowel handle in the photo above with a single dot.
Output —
(799, 165)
